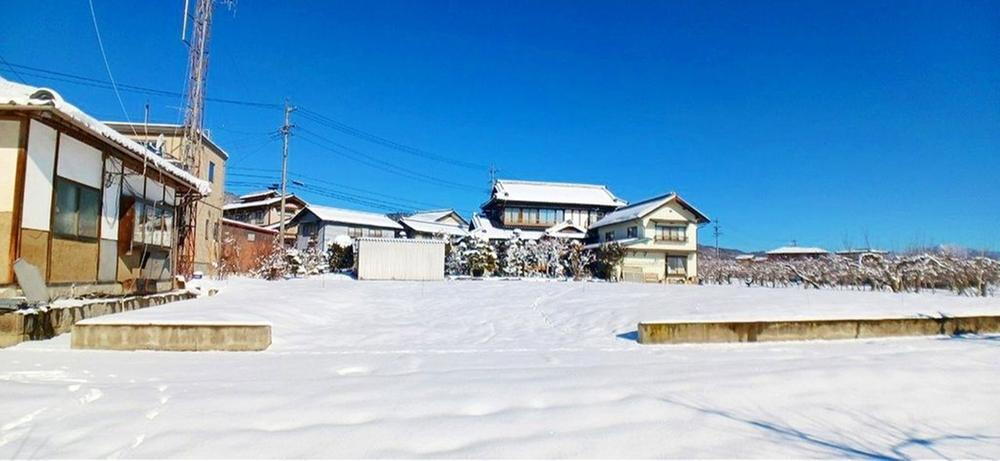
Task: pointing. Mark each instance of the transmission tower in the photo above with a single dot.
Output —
(201, 27)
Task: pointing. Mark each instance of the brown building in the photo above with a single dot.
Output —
(167, 139)
(244, 246)
(264, 209)
(93, 210)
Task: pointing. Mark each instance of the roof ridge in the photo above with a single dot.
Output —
(554, 183)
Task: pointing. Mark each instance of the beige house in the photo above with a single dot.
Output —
(92, 210)
(660, 236)
(167, 139)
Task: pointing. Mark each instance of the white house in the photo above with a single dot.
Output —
(323, 225)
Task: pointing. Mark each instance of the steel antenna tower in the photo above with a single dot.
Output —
(201, 27)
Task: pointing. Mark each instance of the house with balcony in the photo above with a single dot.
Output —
(538, 208)
(660, 236)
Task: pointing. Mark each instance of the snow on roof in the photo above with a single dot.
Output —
(259, 193)
(554, 192)
(744, 257)
(233, 222)
(622, 242)
(791, 250)
(16, 94)
(566, 229)
(639, 209)
(238, 205)
(482, 227)
(363, 218)
(432, 227)
(431, 215)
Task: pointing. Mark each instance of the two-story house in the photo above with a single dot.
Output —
(540, 208)
(264, 209)
(660, 236)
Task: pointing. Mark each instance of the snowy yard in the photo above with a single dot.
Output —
(510, 369)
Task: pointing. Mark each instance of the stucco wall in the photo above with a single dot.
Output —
(10, 140)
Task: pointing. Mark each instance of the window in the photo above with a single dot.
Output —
(211, 171)
(671, 233)
(154, 224)
(543, 216)
(632, 232)
(374, 232)
(676, 265)
(609, 236)
(355, 232)
(78, 209)
(251, 236)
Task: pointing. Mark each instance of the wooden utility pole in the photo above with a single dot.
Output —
(286, 131)
(716, 233)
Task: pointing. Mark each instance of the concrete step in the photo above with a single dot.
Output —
(171, 336)
(799, 330)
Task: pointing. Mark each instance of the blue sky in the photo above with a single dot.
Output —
(820, 122)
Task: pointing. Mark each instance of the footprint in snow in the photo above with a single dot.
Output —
(91, 396)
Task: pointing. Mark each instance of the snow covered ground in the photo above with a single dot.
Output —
(510, 369)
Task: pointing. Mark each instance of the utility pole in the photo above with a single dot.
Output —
(716, 233)
(286, 131)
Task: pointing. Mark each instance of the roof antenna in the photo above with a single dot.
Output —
(493, 174)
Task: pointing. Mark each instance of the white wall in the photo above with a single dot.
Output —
(109, 212)
(79, 162)
(400, 259)
(38, 176)
(10, 135)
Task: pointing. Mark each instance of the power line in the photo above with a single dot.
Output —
(344, 128)
(12, 69)
(114, 86)
(297, 176)
(367, 159)
(97, 83)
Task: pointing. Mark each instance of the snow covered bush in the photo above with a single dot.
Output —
(516, 257)
(471, 256)
(577, 259)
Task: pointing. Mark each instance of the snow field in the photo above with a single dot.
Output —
(508, 369)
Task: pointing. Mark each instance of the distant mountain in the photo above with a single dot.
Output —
(723, 252)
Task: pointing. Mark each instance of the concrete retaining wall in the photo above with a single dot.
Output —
(171, 336)
(16, 327)
(797, 330)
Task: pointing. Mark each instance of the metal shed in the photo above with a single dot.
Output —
(400, 259)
